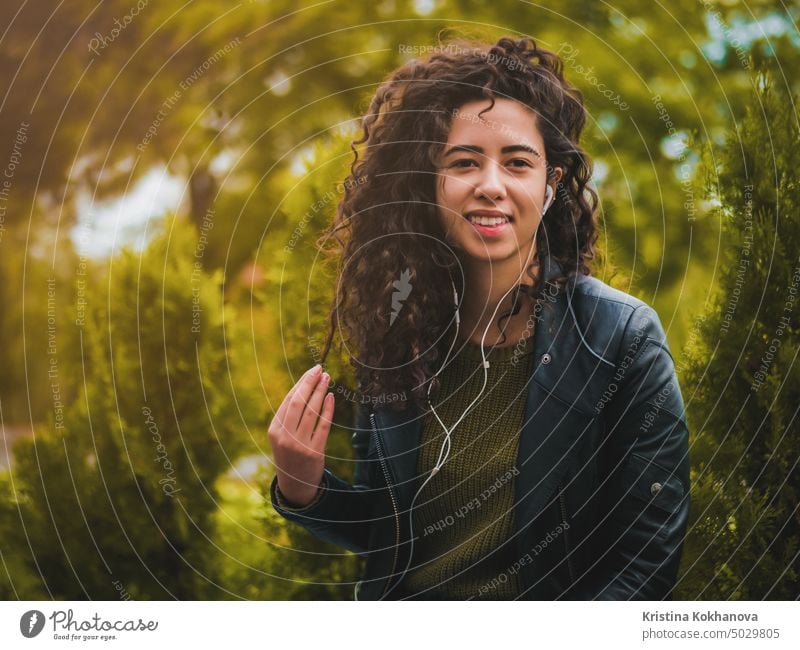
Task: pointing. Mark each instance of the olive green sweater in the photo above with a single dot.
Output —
(464, 516)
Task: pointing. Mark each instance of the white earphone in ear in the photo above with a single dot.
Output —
(548, 192)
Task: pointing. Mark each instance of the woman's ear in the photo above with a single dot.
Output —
(553, 182)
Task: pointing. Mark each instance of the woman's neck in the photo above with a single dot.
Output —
(479, 309)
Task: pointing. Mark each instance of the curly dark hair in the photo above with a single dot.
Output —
(386, 221)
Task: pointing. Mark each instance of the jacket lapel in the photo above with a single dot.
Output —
(555, 419)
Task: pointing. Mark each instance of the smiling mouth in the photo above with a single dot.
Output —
(487, 221)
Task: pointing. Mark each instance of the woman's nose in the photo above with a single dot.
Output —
(491, 184)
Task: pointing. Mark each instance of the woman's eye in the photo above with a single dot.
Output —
(520, 163)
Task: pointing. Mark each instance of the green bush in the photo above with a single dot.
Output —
(743, 381)
(123, 496)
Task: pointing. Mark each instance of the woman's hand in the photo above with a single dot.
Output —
(298, 441)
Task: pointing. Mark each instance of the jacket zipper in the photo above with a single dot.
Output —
(566, 533)
(381, 456)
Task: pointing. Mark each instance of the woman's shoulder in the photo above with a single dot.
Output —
(592, 287)
(609, 313)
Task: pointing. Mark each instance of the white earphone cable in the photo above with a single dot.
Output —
(446, 445)
(440, 461)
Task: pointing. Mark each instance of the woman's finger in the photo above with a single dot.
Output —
(280, 414)
(320, 436)
(297, 405)
(313, 407)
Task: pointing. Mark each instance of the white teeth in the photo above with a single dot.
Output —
(487, 221)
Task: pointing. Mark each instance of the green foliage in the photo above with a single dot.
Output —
(262, 557)
(743, 377)
(18, 581)
(125, 491)
(301, 281)
(33, 286)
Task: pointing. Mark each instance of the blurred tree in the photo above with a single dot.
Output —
(742, 376)
(123, 492)
(30, 309)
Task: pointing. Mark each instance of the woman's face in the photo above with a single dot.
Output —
(492, 163)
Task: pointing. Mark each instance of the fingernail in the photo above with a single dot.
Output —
(315, 370)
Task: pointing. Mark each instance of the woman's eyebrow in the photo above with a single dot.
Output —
(471, 148)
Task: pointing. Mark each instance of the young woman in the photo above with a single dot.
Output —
(522, 432)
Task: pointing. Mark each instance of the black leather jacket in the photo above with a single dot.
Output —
(602, 493)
